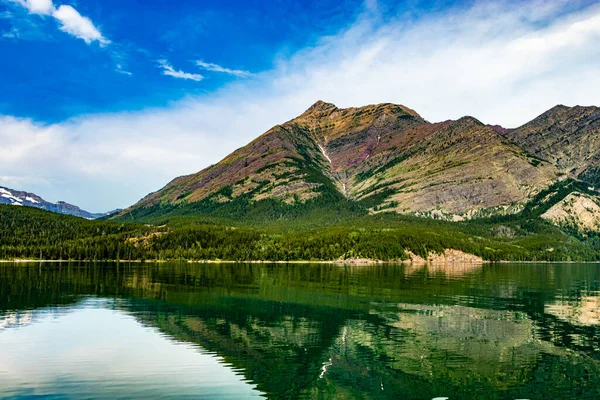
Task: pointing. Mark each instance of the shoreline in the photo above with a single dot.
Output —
(330, 262)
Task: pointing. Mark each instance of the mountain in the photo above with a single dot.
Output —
(386, 157)
(17, 198)
(567, 137)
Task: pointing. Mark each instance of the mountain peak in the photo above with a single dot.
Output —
(321, 106)
(557, 109)
(567, 137)
(562, 111)
(469, 120)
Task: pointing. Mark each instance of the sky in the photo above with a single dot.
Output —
(104, 101)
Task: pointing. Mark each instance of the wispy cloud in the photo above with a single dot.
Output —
(12, 34)
(503, 63)
(120, 70)
(70, 20)
(217, 68)
(170, 71)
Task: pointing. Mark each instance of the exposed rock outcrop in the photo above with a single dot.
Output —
(578, 211)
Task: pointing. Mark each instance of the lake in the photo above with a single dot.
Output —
(235, 331)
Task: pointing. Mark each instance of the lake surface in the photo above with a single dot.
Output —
(236, 331)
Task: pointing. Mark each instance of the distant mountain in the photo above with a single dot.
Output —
(500, 129)
(18, 198)
(115, 211)
(382, 157)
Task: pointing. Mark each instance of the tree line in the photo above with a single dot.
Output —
(27, 233)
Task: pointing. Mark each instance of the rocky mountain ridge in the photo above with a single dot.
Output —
(20, 198)
(568, 137)
(386, 157)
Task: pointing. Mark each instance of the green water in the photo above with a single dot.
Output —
(299, 331)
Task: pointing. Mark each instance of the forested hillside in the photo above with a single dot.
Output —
(29, 233)
(286, 234)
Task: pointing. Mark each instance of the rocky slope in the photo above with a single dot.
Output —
(577, 211)
(386, 157)
(18, 198)
(567, 137)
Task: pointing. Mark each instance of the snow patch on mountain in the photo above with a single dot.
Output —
(19, 198)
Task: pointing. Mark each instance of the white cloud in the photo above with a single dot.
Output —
(75, 24)
(42, 7)
(71, 21)
(217, 68)
(170, 71)
(123, 158)
(503, 63)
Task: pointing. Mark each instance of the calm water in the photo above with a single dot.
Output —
(299, 331)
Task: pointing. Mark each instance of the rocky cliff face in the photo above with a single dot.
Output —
(387, 157)
(18, 198)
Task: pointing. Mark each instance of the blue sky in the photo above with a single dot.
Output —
(103, 101)
(59, 75)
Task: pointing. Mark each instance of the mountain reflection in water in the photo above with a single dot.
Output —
(300, 331)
